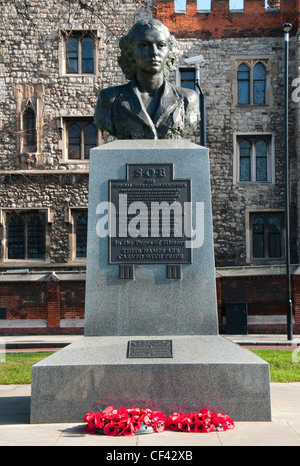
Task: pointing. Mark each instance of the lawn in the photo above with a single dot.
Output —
(16, 369)
(284, 365)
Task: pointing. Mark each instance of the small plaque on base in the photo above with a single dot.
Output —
(150, 349)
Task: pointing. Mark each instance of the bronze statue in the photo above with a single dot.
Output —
(149, 106)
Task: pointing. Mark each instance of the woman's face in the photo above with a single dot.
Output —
(151, 50)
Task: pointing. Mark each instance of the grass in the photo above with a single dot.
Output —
(16, 369)
(282, 366)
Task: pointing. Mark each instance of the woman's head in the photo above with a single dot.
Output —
(127, 59)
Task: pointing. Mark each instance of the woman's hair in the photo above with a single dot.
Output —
(127, 61)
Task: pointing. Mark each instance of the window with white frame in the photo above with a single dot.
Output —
(180, 6)
(203, 6)
(254, 156)
(236, 5)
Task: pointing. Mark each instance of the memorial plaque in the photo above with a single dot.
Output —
(150, 214)
(150, 349)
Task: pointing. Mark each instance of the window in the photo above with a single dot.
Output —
(243, 84)
(80, 55)
(180, 6)
(77, 217)
(81, 136)
(29, 129)
(26, 236)
(251, 84)
(254, 158)
(267, 235)
(236, 5)
(203, 6)
(81, 234)
(259, 84)
(188, 77)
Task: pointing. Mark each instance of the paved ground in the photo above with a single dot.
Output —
(284, 430)
(15, 429)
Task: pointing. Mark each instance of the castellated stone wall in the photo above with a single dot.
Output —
(32, 69)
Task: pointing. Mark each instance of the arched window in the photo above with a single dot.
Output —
(243, 84)
(259, 84)
(255, 159)
(29, 130)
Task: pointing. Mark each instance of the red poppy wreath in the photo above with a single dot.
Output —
(124, 422)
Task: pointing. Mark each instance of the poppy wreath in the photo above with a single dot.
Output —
(204, 421)
(117, 422)
(126, 422)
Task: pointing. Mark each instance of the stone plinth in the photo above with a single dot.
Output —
(204, 370)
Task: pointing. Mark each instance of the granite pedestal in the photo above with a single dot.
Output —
(204, 370)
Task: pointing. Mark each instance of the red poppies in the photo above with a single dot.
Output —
(204, 421)
(117, 422)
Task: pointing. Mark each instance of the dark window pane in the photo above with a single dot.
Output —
(261, 161)
(243, 84)
(36, 237)
(72, 55)
(188, 79)
(81, 235)
(74, 140)
(275, 237)
(29, 127)
(258, 237)
(90, 139)
(259, 84)
(87, 55)
(245, 160)
(16, 238)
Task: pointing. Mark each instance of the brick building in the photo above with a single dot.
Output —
(53, 63)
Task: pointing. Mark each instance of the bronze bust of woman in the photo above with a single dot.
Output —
(149, 106)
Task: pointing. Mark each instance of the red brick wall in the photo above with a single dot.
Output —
(265, 295)
(221, 23)
(56, 300)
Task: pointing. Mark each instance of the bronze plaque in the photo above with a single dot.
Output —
(150, 349)
(149, 214)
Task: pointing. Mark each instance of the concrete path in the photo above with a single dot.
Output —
(284, 430)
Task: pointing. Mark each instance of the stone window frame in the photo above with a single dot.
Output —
(29, 97)
(254, 136)
(249, 251)
(71, 217)
(4, 212)
(62, 123)
(62, 52)
(251, 62)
